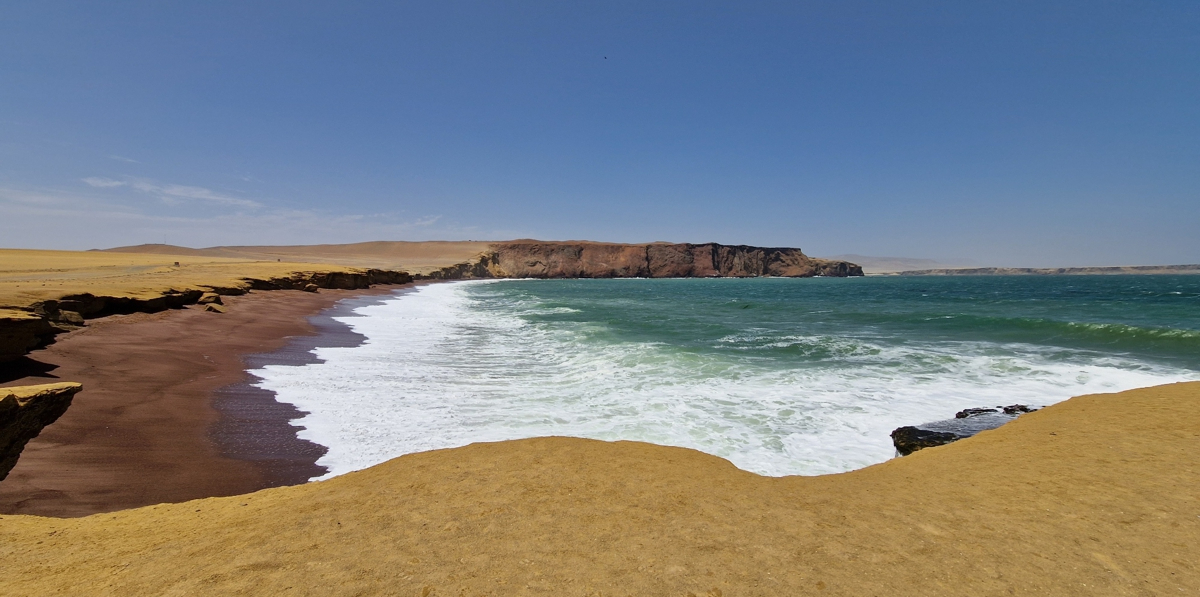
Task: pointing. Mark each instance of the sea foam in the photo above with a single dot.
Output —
(446, 365)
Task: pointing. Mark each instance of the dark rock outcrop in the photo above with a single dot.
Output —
(318, 280)
(24, 411)
(536, 259)
(910, 439)
(25, 329)
(965, 423)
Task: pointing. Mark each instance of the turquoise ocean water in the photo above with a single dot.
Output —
(781, 376)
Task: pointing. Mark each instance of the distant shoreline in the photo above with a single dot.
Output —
(1143, 270)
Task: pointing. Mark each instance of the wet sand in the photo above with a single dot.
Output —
(255, 427)
(166, 415)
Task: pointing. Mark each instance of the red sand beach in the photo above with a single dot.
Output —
(140, 432)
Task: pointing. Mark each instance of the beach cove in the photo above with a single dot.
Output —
(662, 299)
(170, 420)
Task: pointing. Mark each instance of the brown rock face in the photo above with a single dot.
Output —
(535, 259)
(24, 411)
(20, 332)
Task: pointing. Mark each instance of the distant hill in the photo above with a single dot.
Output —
(414, 257)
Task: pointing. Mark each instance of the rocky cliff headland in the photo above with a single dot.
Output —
(538, 259)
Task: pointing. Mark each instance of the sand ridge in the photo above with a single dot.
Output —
(1093, 496)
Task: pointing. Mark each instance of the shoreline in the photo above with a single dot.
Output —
(147, 428)
(246, 440)
(255, 426)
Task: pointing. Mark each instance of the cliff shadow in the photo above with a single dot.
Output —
(25, 367)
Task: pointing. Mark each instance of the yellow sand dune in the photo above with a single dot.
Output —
(1099, 495)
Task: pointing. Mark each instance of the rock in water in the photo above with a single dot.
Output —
(24, 411)
(971, 412)
(1016, 409)
(910, 439)
(965, 423)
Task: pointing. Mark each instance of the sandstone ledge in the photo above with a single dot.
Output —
(24, 411)
(25, 328)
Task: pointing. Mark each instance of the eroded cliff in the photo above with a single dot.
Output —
(24, 411)
(27, 327)
(537, 259)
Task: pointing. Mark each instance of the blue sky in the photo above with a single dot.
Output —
(1003, 133)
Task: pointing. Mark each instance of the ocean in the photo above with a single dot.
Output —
(779, 376)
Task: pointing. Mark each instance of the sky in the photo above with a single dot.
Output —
(992, 133)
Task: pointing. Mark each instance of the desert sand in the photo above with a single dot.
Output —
(413, 257)
(28, 276)
(1093, 496)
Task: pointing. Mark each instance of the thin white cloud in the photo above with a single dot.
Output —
(172, 194)
(121, 158)
(14, 198)
(104, 183)
(177, 192)
(54, 219)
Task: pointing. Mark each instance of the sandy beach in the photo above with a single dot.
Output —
(142, 431)
(1092, 496)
